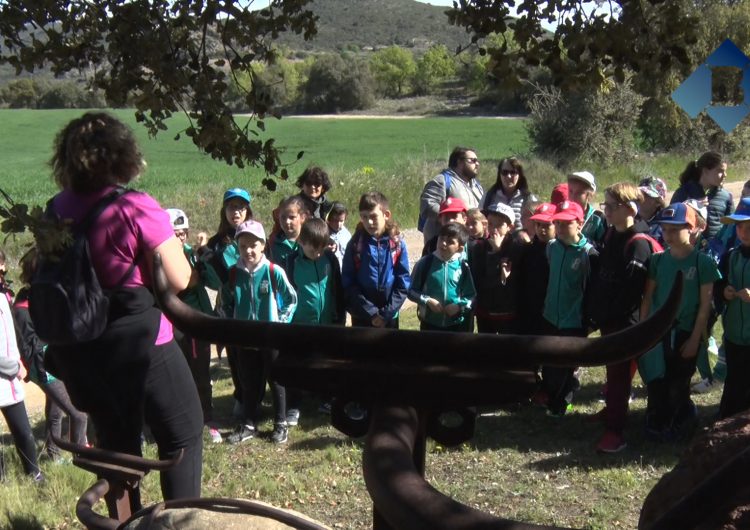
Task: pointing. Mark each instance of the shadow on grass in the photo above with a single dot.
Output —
(569, 441)
(23, 522)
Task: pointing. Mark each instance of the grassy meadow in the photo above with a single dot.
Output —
(520, 464)
(395, 156)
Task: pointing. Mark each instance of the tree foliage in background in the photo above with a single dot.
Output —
(157, 56)
(435, 66)
(337, 83)
(663, 124)
(597, 124)
(393, 69)
(593, 40)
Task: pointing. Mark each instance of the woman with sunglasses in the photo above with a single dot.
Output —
(511, 188)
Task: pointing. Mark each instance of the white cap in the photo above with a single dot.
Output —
(503, 209)
(251, 227)
(584, 176)
(178, 219)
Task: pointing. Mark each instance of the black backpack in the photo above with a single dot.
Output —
(66, 302)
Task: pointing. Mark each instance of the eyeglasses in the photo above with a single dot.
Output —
(236, 207)
(472, 160)
(509, 172)
(609, 205)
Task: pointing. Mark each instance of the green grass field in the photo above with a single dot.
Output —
(395, 156)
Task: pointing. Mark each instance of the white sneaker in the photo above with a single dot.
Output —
(215, 435)
(704, 386)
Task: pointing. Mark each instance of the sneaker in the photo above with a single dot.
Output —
(215, 435)
(325, 407)
(559, 412)
(242, 433)
(704, 386)
(611, 443)
(355, 411)
(38, 478)
(280, 433)
(292, 417)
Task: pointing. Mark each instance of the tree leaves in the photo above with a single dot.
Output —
(592, 41)
(155, 55)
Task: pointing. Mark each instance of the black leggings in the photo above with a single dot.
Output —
(126, 383)
(18, 424)
(56, 406)
(254, 366)
(669, 403)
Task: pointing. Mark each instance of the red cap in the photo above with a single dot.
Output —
(544, 212)
(568, 211)
(452, 204)
(559, 194)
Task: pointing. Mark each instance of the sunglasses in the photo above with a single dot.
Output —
(472, 160)
(509, 172)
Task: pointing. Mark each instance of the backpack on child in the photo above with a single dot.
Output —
(359, 248)
(67, 303)
(422, 219)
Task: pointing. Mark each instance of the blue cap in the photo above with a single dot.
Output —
(742, 213)
(236, 192)
(677, 213)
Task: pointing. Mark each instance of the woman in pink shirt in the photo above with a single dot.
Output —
(134, 371)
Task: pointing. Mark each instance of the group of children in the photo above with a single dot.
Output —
(570, 269)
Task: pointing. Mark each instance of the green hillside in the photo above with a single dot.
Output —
(373, 23)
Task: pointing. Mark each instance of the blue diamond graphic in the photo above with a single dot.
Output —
(728, 54)
(728, 117)
(695, 92)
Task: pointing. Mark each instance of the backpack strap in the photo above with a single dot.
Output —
(271, 271)
(358, 248)
(395, 251)
(82, 228)
(448, 181)
(99, 206)
(233, 277)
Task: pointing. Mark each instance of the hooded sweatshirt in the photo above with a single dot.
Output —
(448, 282)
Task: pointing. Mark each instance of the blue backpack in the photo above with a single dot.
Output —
(422, 219)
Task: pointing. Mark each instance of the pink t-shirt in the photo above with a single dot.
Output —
(135, 221)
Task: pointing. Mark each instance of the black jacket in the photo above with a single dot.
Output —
(617, 288)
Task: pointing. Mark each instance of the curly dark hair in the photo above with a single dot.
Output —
(95, 151)
(314, 175)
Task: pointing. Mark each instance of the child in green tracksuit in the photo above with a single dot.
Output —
(441, 283)
(572, 262)
(315, 274)
(667, 369)
(734, 290)
(259, 291)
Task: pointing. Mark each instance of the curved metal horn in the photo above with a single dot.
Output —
(401, 494)
(419, 348)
